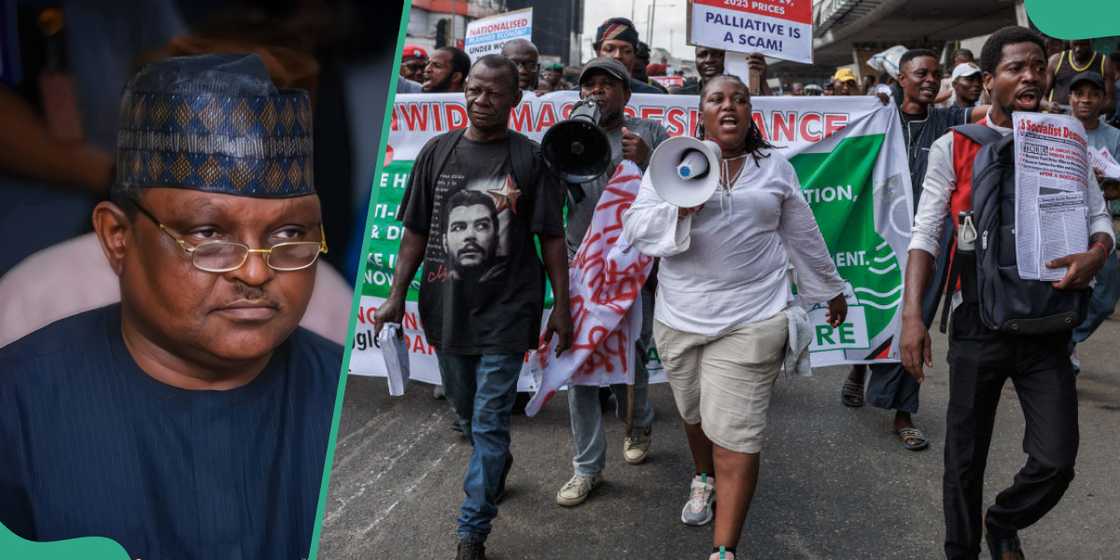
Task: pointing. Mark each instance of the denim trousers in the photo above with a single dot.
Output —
(589, 438)
(1105, 294)
(483, 389)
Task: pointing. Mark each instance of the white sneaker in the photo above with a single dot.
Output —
(698, 509)
(635, 449)
(575, 491)
(722, 556)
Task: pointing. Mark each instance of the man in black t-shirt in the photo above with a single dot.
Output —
(476, 200)
(890, 387)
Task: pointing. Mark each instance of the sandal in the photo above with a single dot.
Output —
(912, 439)
(852, 394)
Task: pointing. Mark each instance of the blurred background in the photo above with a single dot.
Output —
(63, 65)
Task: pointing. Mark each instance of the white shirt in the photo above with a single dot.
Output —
(726, 266)
(941, 181)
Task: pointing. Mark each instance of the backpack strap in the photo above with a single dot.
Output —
(445, 144)
(979, 133)
(521, 159)
(949, 287)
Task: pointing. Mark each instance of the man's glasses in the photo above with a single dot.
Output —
(527, 66)
(227, 256)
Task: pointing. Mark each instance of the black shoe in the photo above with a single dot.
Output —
(999, 546)
(502, 481)
(471, 551)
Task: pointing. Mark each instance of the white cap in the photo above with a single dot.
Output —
(965, 69)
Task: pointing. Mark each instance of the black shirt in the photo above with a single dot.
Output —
(637, 86)
(921, 131)
(482, 283)
(93, 446)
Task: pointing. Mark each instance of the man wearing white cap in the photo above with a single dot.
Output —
(967, 86)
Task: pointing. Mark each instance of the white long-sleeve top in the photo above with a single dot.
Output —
(941, 181)
(726, 266)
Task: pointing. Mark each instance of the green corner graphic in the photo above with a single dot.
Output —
(85, 548)
(1091, 18)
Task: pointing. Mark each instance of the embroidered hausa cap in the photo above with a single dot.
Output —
(215, 123)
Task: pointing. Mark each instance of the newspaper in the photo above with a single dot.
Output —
(1051, 192)
(1104, 163)
(394, 348)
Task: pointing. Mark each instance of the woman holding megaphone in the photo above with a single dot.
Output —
(727, 218)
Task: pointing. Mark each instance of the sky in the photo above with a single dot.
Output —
(669, 22)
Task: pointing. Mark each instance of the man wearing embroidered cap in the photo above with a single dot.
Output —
(190, 420)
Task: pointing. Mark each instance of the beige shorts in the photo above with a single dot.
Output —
(724, 382)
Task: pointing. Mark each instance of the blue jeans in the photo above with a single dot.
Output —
(482, 388)
(589, 439)
(1103, 301)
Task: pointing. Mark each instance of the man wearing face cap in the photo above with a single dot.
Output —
(190, 420)
(607, 80)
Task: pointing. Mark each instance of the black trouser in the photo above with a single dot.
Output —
(980, 361)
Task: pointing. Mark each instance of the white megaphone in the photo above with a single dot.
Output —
(684, 171)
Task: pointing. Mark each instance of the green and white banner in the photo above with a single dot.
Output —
(849, 154)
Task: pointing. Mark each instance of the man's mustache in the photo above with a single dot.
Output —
(470, 246)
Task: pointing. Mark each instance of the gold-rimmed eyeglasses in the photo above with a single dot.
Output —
(227, 256)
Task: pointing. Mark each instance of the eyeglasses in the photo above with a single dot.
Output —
(227, 256)
(527, 66)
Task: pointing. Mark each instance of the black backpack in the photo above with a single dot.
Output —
(1007, 303)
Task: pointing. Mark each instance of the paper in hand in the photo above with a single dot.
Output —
(1104, 163)
(395, 351)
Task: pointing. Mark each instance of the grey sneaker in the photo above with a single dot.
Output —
(575, 491)
(698, 509)
(636, 447)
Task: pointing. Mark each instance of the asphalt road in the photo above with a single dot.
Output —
(835, 483)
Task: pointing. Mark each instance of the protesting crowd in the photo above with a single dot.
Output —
(718, 303)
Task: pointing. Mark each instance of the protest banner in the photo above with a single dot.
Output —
(849, 156)
(488, 35)
(776, 28)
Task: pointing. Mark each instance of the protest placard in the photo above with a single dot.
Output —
(669, 81)
(776, 28)
(488, 35)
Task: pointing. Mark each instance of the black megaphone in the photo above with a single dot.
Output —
(576, 149)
